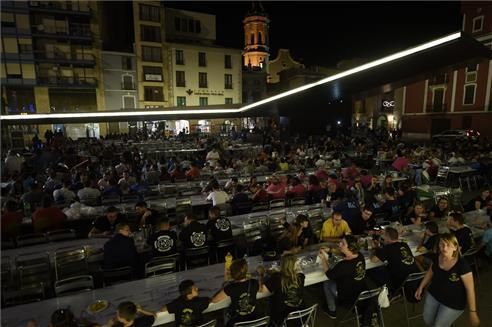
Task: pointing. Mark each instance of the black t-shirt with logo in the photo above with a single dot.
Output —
(188, 313)
(102, 223)
(465, 239)
(220, 229)
(282, 303)
(194, 235)
(447, 286)
(243, 299)
(350, 276)
(163, 243)
(400, 260)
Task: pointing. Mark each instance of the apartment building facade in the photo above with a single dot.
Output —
(458, 98)
(50, 60)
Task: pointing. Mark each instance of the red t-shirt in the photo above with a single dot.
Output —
(297, 191)
(45, 219)
(11, 224)
(277, 191)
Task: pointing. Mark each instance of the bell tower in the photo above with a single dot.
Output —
(256, 38)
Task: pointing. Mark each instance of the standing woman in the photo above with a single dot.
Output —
(287, 287)
(451, 286)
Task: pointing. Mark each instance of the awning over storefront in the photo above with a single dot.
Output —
(316, 100)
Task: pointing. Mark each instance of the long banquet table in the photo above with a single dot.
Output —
(151, 293)
(154, 292)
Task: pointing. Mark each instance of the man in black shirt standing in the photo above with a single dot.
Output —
(120, 250)
(194, 234)
(400, 259)
(456, 223)
(164, 240)
(188, 308)
(105, 225)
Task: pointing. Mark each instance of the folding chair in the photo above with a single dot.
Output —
(412, 278)
(297, 201)
(33, 269)
(366, 296)
(74, 285)
(305, 318)
(197, 257)
(160, 266)
(260, 206)
(70, 262)
(25, 295)
(254, 323)
(278, 203)
(31, 239)
(471, 257)
(211, 323)
(117, 275)
(253, 229)
(61, 235)
(276, 228)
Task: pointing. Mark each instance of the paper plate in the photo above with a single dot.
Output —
(98, 306)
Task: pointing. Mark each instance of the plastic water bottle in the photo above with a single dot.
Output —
(27, 209)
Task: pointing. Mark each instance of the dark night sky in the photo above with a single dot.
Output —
(325, 32)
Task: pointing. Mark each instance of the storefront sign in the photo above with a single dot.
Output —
(388, 105)
(207, 92)
(153, 77)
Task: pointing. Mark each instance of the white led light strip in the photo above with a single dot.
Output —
(130, 114)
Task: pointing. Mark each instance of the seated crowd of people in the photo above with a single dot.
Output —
(315, 170)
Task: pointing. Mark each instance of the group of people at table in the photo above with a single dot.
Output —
(355, 196)
(449, 282)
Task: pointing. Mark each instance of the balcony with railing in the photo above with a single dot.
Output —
(75, 31)
(60, 57)
(71, 81)
(17, 6)
(438, 79)
(438, 108)
(61, 7)
(127, 86)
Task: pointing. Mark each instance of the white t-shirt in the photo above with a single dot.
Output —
(212, 157)
(218, 197)
(88, 194)
(63, 195)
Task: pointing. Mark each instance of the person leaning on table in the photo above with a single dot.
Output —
(334, 228)
(451, 286)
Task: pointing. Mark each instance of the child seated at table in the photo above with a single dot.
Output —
(188, 307)
(126, 316)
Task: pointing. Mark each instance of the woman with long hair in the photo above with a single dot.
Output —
(302, 233)
(242, 292)
(287, 287)
(451, 286)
